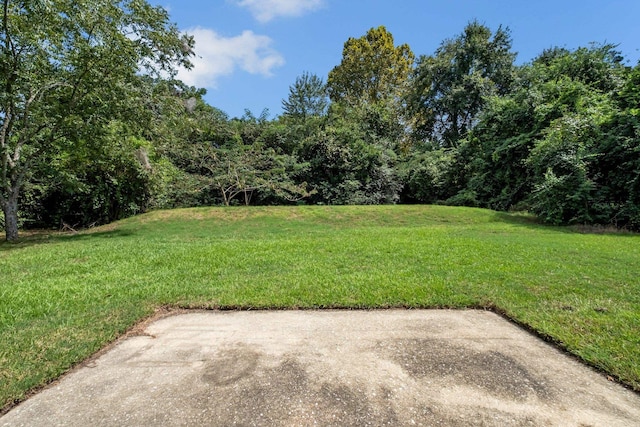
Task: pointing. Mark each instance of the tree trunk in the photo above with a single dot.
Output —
(10, 208)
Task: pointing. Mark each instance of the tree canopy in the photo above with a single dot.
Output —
(449, 88)
(69, 68)
(372, 69)
(307, 97)
(93, 126)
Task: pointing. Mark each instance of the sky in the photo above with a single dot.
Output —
(249, 52)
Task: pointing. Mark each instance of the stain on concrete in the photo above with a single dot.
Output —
(491, 371)
(331, 368)
(472, 416)
(245, 388)
(352, 407)
(230, 366)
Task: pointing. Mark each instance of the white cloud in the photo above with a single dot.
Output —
(217, 56)
(266, 10)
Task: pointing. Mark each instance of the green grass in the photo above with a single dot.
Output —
(63, 297)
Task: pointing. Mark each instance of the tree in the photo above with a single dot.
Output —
(67, 69)
(91, 183)
(351, 158)
(450, 88)
(248, 170)
(425, 176)
(372, 69)
(307, 97)
(563, 144)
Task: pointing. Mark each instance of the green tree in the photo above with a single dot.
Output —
(223, 161)
(352, 158)
(307, 98)
(372, 69)
(449, 89)
(92, 183)
(619, 177)
(69, 68)
(247, 171)
(425, 175)
(180, 122)
(563, 144)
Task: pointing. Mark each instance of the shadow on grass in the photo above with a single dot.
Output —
(533, 222)
(39, 237)
(520, 219)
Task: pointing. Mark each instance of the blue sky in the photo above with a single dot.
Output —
(251, 51)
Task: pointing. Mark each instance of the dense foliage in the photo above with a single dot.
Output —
(69, 73)
(559, 136)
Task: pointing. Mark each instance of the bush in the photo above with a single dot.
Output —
(426, 176)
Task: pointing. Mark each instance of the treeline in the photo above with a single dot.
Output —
(559, 137)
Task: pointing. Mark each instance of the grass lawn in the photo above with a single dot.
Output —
(63, 297)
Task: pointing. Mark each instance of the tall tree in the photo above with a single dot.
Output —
(373, 69)
(564, 144)
(449, 89)
(67, 69)
(307, 97)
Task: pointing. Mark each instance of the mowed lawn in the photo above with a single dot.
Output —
(63, 297)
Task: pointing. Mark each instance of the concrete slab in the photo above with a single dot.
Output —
(364, 368)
